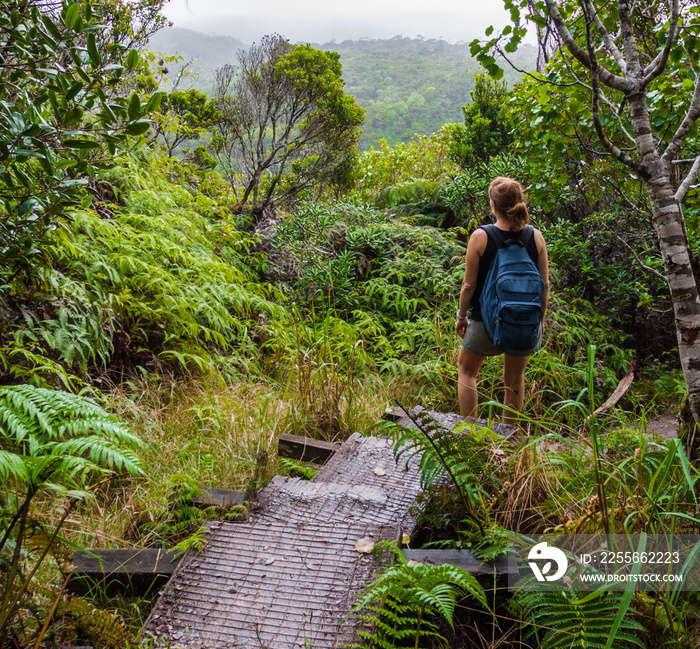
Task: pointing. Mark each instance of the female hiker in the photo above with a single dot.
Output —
(509, 209)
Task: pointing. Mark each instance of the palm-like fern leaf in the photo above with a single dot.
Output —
(442, 451)
(565, 619)
(49, 434)
(397, 602)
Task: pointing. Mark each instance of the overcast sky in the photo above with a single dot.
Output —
(310, 20)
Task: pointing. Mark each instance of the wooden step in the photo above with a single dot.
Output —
(305, 449)
(126, 571)
(464, 559)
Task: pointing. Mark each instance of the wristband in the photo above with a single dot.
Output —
(461, 317)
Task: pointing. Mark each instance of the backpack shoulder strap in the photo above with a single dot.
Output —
(494, 234)
(526, 235)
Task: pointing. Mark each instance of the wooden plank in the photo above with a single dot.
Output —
(219, 497)
(393, 414)
(305, 449)
(213, 497)
(615, 397)
(463, 559)
(129, 571)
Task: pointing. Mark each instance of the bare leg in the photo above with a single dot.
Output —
(468, 366)
(514, 381)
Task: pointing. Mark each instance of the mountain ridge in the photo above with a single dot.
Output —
(407, 86)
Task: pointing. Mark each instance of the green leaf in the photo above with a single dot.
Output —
(132, 59)
(137, 128)
(73, 182)
(154, 102)
(73, 117)
(110, 137)
(28, 205)
(81, 144)
(84, 75)
(95, 28)
(17, 123)
(23, 154)
(134, 107)
(93, 52)
(73, 16)
(495, 71)
(109, 115)
(22, 177)
(74, 90)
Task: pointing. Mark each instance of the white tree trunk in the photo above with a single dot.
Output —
(673, 243)
(650, 165)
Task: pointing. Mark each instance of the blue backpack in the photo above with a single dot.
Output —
(511, 300)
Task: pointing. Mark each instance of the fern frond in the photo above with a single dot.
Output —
(443, 452)
(50, 436)
(12, 467)
(570, 620)
(399, 599)
(408, 192)
(98, 624)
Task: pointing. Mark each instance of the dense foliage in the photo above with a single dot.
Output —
(405, 85)
(488, 124)
(283, 122)
(53, 141)
(211, 326)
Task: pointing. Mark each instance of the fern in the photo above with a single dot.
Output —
(402, 601)
(563, 619)
(98, 625)
(461, 456)
(53, 442)
(195, 541)
(27, 362)
(49, 433)
(161, 281)
(417, 191)
(297, 469)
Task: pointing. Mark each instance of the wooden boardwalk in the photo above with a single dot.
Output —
(289, 576)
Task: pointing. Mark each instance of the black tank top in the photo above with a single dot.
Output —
(485, 263)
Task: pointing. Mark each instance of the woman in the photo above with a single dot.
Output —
(508, 207)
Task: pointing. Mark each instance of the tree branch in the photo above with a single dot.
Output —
(525, 73)
(682, 190)
(611, 148)
(601, 95)
(657, 66)
(693, 111)
(648, 269)
(629, 44)
(609, 79)
(607, 38)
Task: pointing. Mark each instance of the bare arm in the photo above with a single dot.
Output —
(475, 248)
(543, 267)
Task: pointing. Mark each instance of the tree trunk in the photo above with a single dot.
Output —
(650, 166)
(669, 224)
(673, 244)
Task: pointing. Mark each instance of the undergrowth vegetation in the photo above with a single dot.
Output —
(210, 337)
(161, 340)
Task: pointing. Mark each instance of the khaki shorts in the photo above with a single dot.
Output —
(477, 341)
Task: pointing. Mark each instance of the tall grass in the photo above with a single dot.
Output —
(168, 301)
